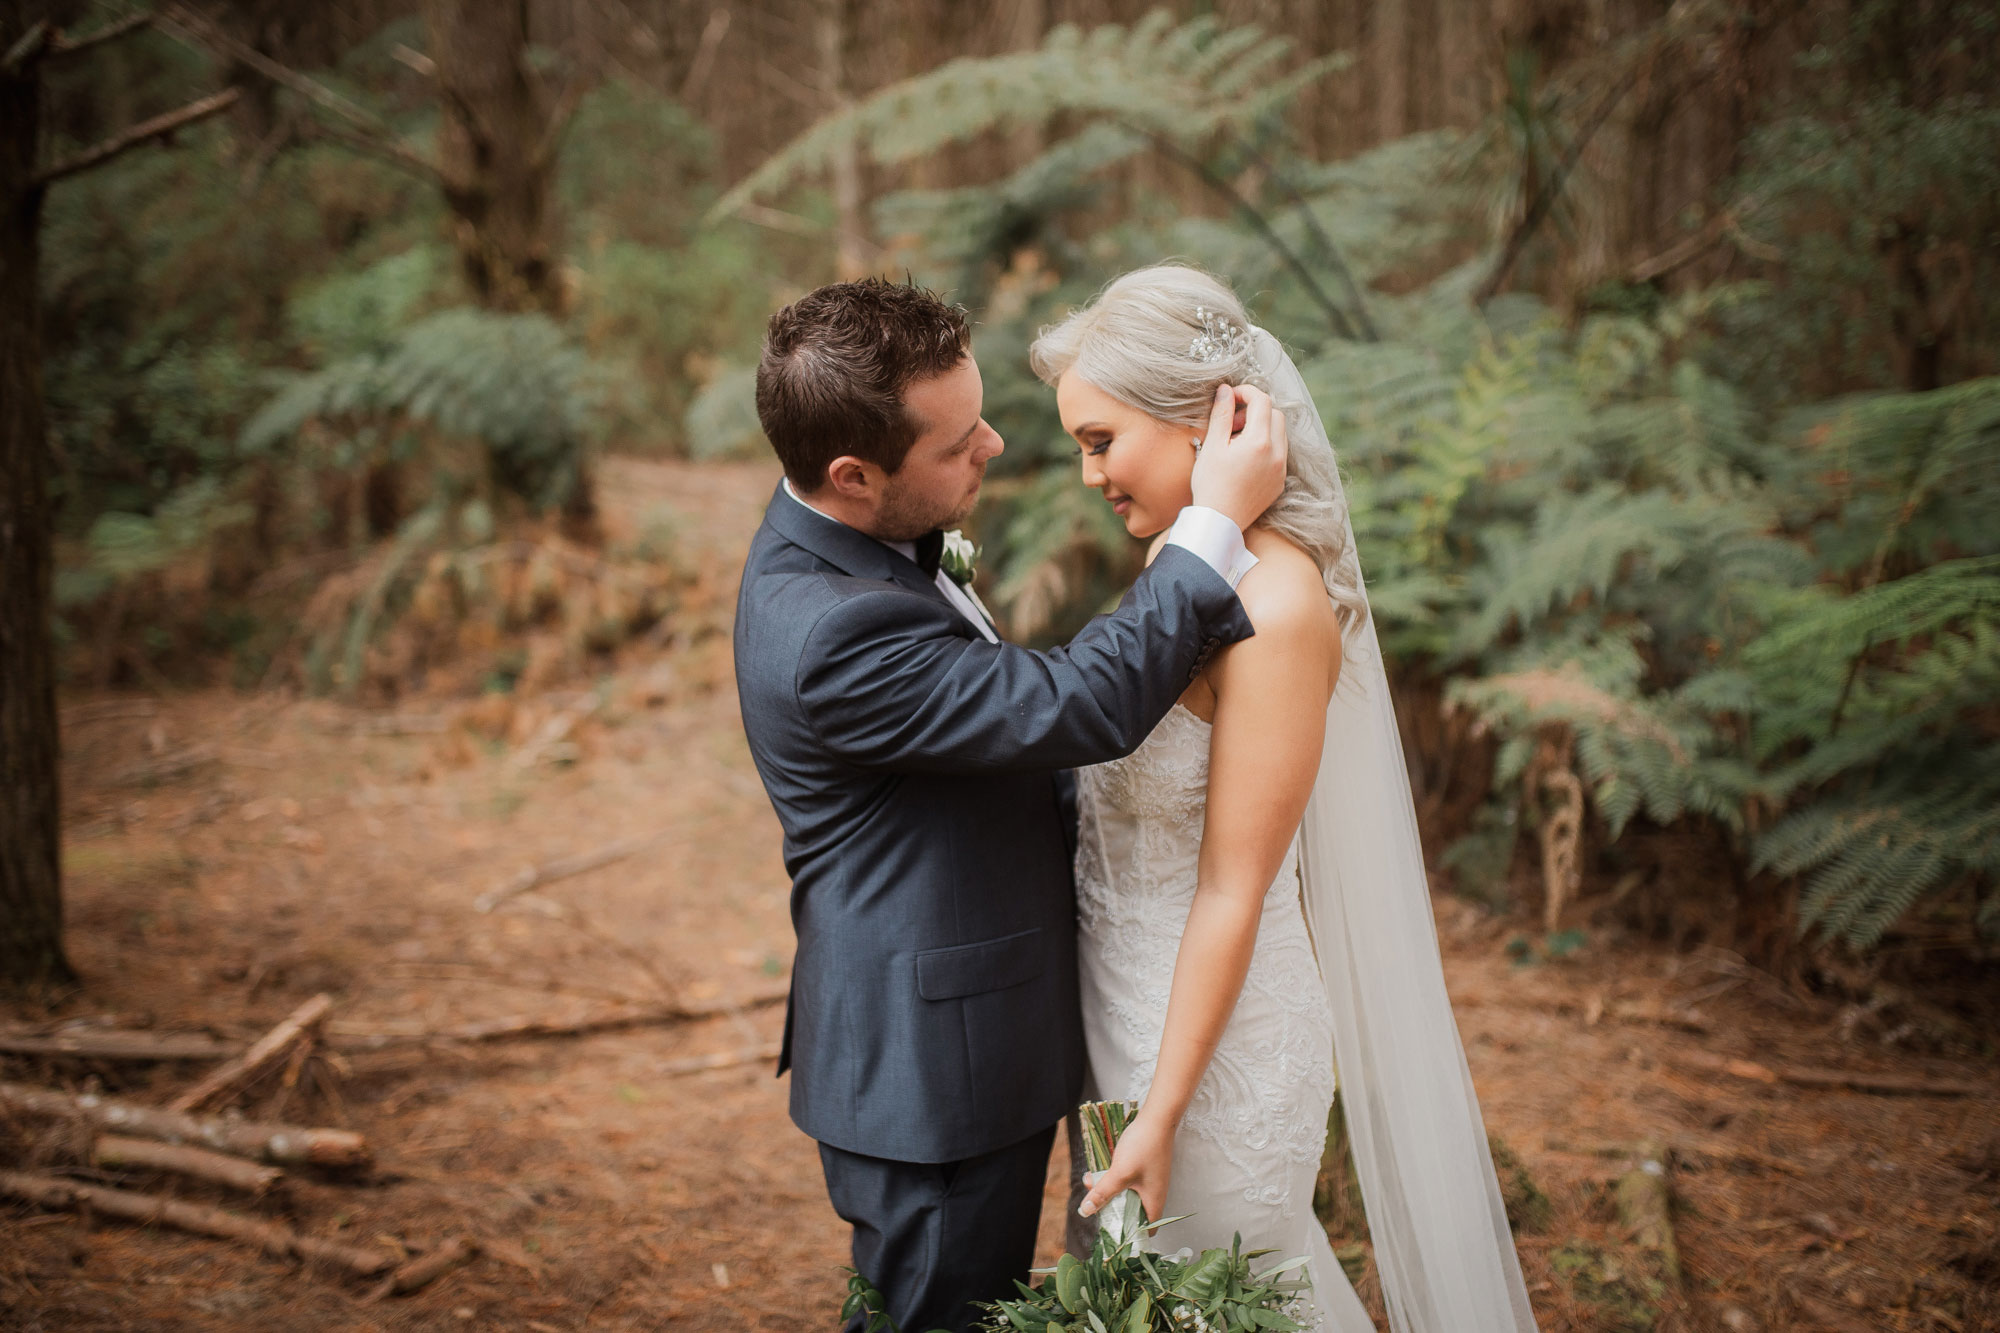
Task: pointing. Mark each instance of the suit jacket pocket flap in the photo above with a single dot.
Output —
(970, 969)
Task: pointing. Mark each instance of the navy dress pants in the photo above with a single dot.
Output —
(936, 1236)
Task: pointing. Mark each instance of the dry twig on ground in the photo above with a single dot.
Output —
(116, 1150)
(298, 1029)
(549, 872)
(1852, 1080)
(132, 1046)
(550, 734)
(427, 1268)
(54, 1192)
(526, 1026)
(289, 1145)
(173, 764)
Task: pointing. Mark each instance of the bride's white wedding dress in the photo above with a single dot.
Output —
(1249, 1146)
(1366, 984)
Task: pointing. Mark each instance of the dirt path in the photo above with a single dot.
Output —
(309, 851)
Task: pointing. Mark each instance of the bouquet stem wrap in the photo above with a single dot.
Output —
(1103, 1122)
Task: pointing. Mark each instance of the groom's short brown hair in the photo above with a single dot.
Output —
(835, 365)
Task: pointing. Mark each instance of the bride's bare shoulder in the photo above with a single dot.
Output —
(1285, 596)
(1285, 581)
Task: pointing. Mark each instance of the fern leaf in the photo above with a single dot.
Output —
(1153, 77)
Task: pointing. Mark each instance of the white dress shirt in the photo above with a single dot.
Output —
(1207, 532)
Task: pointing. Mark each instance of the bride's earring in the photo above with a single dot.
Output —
(1195, 440)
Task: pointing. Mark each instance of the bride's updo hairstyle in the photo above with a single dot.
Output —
(1160, 340)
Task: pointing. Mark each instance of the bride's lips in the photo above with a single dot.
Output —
(1119, 503)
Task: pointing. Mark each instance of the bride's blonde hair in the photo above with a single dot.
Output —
(1160, 340)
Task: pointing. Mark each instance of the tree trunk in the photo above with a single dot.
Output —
(31, 952)
(851, 255)
(497, 142)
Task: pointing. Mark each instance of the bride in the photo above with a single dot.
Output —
(1251, 891)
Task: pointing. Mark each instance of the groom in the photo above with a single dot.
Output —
(918, 766)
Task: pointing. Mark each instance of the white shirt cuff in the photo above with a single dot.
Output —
(1219, 542)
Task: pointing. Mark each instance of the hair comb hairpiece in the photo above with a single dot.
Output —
(1218, 340)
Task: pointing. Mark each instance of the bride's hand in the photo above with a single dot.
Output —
(1143, 1161)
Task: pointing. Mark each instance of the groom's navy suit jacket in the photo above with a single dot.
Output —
(917, 771)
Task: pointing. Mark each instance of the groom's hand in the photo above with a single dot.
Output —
(1240, 470)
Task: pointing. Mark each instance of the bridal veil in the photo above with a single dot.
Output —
(1442, 1244)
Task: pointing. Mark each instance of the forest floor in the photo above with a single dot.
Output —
(315, 847)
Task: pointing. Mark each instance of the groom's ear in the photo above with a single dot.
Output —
(853, 478)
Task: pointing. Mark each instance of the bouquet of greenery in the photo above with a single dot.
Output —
(1123, 1289)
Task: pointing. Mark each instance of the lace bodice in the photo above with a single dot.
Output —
(1262, 1105)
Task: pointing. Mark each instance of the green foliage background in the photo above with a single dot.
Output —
(259, 361)
(1631, 534)
(1729, 553)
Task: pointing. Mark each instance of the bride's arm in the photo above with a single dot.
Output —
(1271, 695)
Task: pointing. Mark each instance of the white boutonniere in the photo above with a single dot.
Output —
(958, 557)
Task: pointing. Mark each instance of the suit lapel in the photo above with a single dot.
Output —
(847, 550)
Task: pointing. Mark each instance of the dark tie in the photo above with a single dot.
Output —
(930, 550)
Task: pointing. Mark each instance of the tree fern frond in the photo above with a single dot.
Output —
(1152, 77)
(1822, 625)
(1660, 754)
(1580, 545)
(514, 382)
(123, 545)
(1871, 854)
(1912, 473)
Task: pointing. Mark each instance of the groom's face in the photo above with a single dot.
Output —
(938, 484)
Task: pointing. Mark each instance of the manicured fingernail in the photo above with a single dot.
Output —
(1088, 1209)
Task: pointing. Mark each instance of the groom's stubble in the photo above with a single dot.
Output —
(937, 485)
(909, 513)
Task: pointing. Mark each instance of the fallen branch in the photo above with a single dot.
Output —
(575, 918)
(53, 1192)
(1594, 1010)
(286, 1145)
(295, 1068)
(159, 127)
(105, 710)
(1646, 1011)
(149, 771)
(1687, 1150)
(268, 1050)
(553, 731)
(426, 1269)
(133, 1046)
(695, 1064)
(1645, 1207)
(550, 872)
(400, 724)
(1852, 1080)
(115, 1150)
(525, 1026)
